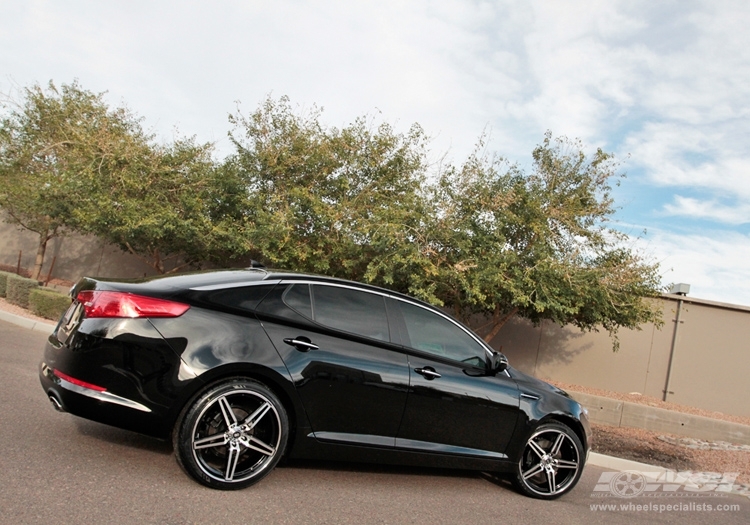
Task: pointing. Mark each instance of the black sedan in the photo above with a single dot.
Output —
(243, 367)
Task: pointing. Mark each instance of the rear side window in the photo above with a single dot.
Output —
(352, 311)
(297, 297)
(244, 298)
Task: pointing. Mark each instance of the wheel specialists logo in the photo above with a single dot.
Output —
(633, 483)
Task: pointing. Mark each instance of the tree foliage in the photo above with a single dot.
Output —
(500, 242)
(480, 238)
(171, 207)
(50, 144)
(70, 162)
(332, 201)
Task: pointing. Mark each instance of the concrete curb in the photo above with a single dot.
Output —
(616, 413)
(610, 462)
(31, 324)
(622, 465)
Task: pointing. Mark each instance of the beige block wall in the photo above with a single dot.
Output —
(75, 255)
(711, 361)
(711, 367)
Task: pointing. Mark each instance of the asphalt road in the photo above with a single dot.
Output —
(57, 468)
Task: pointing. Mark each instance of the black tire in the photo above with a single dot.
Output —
(233, 435)
(551, 462)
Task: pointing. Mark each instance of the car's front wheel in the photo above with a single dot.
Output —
(232, 435)
(551, 462)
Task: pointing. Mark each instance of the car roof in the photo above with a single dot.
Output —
(215, 279)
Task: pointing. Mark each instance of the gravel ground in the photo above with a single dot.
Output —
(644, 446)
(628, 443)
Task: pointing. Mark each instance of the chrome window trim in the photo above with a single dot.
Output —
(337, 285)
(226, 286)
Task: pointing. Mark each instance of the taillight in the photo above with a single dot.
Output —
(100, 303)
(78, 382)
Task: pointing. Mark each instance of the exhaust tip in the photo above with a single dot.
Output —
(56, 403)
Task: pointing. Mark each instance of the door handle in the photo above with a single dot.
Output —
(428, 372)
(301, 343)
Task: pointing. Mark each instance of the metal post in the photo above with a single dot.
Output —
(49, 273)
(671, 351)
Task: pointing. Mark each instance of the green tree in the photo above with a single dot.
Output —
(50, 144)
(499, 242)
(332, 201)
(172, 207)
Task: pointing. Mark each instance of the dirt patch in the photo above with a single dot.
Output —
(643, 446)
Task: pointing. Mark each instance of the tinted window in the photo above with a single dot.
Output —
(297, 297)
(434, 334)
(352, 311)
(245, 298)
(274, 304)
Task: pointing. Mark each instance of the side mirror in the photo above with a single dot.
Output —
(498, 362)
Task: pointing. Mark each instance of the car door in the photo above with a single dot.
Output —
(335, 341)
(453, 405)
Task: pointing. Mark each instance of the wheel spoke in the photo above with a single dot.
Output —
(227, 412)
(551, 480)
(558, 443)
(537, 448)
(216, 440)
(257, 445)
(256, 416)
(232, 459)
(564, 463)
(533, 471)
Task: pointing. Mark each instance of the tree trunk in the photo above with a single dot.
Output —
(39, 261)
(498, 323)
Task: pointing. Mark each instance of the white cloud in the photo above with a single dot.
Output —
(698, 209)
(714, 263)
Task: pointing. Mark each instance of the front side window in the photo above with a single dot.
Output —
(352, 311)
(436, 335)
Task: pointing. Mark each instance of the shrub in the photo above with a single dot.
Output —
(4, 282)
(49, 304)
(18, 289)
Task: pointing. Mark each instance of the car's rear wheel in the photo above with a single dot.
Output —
(232, 435)
(551, 462)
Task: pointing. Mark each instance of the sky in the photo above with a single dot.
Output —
(665, 86)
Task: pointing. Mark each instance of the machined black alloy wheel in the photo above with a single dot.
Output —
(233, 435)
(551, 462)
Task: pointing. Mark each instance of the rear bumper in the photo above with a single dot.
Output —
(100, 406)
(120, 373)
(60, 382)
